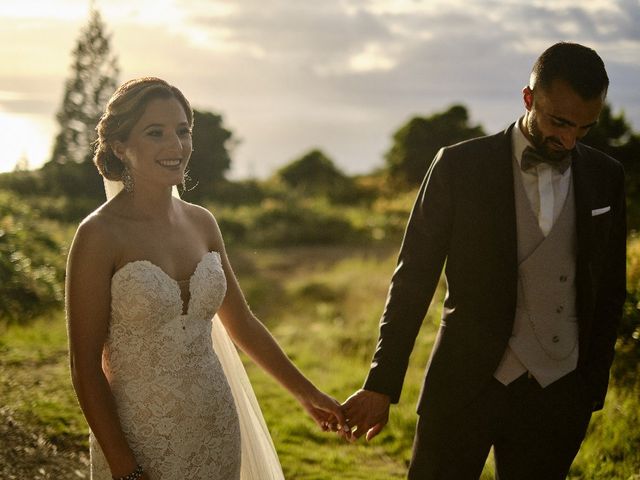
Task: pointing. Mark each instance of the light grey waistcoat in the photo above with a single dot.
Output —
(544, 341)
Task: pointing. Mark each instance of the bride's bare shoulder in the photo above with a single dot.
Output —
(106, 216)
(99, 229)
(197, 213)
(203, 220)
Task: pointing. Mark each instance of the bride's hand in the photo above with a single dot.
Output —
(326, 411)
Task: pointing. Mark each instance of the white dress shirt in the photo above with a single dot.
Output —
(546, 188)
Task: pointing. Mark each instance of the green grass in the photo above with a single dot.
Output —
(327, 323)
(35, 383)
(323, 306)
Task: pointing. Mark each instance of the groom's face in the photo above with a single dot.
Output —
(557, 117)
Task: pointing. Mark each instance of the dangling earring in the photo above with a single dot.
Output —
(127, 180)
(185, 175)
(185, 179)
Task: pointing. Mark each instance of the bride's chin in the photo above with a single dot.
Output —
(177, 177)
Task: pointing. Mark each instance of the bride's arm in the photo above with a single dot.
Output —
(88, 284)
(255, 340)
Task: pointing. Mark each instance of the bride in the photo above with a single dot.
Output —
(158, 380)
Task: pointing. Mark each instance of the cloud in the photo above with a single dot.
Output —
(346, 74)
(323, 37)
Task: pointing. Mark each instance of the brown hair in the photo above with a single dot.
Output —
(581, 67)
(123, 110)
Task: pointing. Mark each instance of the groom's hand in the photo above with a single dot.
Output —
(366, 411)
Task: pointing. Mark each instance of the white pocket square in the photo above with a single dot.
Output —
(599, 211)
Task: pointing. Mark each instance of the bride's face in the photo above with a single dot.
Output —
(159, 145)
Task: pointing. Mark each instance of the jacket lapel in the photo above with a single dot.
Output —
(504, 205)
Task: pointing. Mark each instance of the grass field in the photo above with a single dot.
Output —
(323, 305)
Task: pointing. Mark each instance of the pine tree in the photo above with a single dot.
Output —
(94, 78)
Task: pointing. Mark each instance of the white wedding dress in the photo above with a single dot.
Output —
(183, 412)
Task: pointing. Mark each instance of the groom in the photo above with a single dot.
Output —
(529, 225)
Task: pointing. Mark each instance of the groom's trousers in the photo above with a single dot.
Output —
(535, 433)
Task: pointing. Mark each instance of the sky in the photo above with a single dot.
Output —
(292, 75)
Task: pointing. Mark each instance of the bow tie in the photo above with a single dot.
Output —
(531, 158)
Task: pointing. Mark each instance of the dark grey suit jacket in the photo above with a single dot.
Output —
(464, 219)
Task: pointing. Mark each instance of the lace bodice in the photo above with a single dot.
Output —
(173, 400)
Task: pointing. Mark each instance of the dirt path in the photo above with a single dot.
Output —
(28, 455)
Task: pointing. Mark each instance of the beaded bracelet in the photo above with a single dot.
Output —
(135, 475)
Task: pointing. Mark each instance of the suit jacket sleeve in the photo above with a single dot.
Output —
(422, 256)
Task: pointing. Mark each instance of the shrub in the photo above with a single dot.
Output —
(62, 208)
(22, 182)
(31, 263)
(243, 192)
(285, 224)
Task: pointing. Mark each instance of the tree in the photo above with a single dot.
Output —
(93, 80)
(316, 174)
(313, 171)
(417, 142)
(210, 159)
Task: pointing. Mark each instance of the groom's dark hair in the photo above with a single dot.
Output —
(581, 67)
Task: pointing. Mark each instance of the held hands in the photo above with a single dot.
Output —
(325, 411)
(363, 412)
(366, 412)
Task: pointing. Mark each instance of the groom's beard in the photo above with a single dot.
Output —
(549, 147)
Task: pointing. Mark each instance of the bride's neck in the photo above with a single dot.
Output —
(153, 204)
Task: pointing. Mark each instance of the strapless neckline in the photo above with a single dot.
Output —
(186, 305)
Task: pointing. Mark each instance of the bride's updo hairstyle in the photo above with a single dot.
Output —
(124, 109)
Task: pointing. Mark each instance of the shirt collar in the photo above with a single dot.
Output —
(519, 141)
